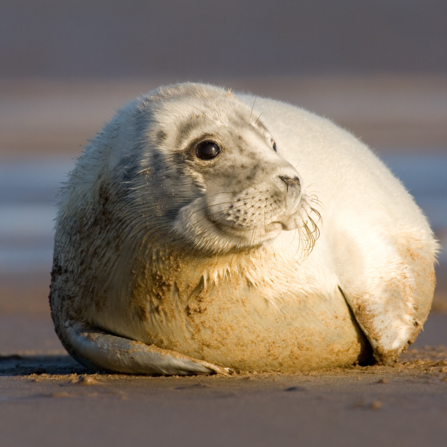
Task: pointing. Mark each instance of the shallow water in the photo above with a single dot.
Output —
(28, 192)
(425, 177)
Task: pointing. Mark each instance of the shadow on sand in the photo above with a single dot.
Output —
(24, 365)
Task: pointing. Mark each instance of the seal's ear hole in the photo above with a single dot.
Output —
(274, 147)
(207, 150)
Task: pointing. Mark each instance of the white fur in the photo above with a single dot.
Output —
(373, 240)
(362, 204)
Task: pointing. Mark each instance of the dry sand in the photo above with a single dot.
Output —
(48, 399)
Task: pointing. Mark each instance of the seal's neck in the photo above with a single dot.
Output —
(259, 267)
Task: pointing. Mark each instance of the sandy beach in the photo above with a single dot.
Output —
(377, 69)
(47, 399)
(61, 405)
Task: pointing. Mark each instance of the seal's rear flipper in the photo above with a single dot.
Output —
(99, 350)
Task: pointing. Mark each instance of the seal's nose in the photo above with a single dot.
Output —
(291, 182)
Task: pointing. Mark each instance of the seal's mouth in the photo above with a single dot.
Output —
(248, 235)
(269, 228)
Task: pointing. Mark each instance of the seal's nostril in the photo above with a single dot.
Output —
(295, 181)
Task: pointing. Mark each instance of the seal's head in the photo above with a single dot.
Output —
(206, 170)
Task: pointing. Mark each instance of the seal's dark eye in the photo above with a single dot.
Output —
(274, 147)
(207, 150)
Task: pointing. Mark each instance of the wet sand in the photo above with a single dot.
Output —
(47, 399)
(50, 400)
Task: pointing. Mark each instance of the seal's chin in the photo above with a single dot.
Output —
(209, 235)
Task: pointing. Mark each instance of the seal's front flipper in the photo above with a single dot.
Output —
(100, 350)
(387, 314)
(389, 284)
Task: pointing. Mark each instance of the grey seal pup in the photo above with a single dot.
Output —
(203, 231)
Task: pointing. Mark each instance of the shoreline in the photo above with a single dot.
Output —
(44, 118)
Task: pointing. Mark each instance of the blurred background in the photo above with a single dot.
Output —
(376, 68)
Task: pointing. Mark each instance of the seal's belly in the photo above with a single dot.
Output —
(240, 329)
